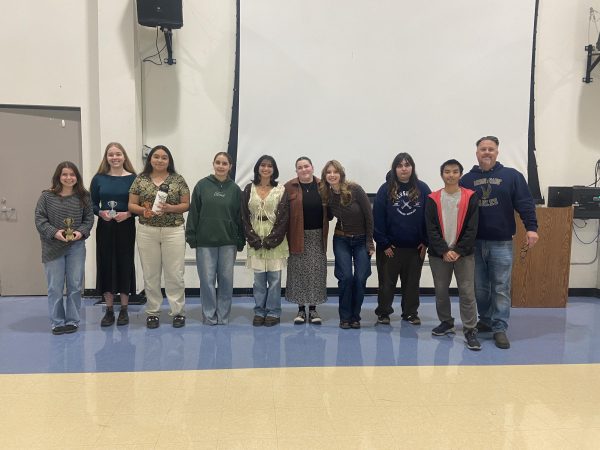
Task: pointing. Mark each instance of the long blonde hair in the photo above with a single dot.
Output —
(324, 187)
(104, 167)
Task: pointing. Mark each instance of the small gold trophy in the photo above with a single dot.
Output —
(68, 233)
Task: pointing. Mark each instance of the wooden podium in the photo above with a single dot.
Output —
(540, 276)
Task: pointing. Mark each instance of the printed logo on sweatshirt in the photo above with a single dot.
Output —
(404, 205)
(486, 185)
(219, 194)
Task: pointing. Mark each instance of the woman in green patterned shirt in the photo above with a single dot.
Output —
(161, 234)
(265, 215)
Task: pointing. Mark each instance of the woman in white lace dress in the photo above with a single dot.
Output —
(265, 214)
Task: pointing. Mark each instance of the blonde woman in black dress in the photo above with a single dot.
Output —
(115, 233)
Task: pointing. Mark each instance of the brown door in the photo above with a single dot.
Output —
(33, 141)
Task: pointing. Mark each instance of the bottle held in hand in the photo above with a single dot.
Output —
(160, 199)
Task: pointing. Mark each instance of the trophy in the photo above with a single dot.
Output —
(68, 233)
(112, 213)
(148, 210)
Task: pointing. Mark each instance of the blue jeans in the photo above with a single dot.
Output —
(69, 267)
(351, 251)
(267, 293)
(215, 266)
(493, 271)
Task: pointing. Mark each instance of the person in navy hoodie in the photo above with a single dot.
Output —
(451, 215)
(501, 191)
(401, 237)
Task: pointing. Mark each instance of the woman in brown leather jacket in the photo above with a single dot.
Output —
(307, 237)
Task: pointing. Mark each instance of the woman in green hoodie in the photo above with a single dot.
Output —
(214, 229)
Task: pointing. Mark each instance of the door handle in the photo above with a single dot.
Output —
(6, 211)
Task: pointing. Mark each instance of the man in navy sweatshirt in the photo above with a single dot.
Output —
(501, 191)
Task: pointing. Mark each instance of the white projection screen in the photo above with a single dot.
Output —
(362, 80)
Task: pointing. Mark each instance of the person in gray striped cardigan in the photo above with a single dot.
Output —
(64, 218)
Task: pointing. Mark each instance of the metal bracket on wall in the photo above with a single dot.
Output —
(593, 58)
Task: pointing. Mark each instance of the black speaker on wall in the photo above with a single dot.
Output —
(160, 13)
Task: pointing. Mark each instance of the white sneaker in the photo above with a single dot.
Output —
(300, 318)
(313, 317)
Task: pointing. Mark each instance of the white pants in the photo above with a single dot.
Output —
(162, 249)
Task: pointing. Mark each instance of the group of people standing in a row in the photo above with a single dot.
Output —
(466, 228)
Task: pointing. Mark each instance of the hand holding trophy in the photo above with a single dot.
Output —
(112, 213)
(68, 233)
(148, 210)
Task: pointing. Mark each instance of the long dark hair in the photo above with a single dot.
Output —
(394, 184)
(275, 175)
(80, 191)
(148, 166)
(104, 167)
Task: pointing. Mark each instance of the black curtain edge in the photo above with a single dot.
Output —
(532, 170)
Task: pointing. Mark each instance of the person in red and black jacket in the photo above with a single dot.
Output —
(451, 218)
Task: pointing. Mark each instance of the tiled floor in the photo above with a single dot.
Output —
(544, 406)
(298, 386)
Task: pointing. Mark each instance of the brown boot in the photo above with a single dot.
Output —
(108, 319)
(123, 318)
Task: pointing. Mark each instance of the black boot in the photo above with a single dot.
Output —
(123, 318)
(109, 318)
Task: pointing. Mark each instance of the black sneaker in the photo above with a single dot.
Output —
(355, 325)
(345, 325)
(123, 318)
(70, 328)
(58, 330)
(483, 328)
(471, 340)
(108, 319)
(413, 319)
(300, 317)
(313, 317)
(501, 340)
(443, 329)
(383, 319)
(152, 322)
(178, 321)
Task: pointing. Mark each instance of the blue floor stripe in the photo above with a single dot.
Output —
(538, 336)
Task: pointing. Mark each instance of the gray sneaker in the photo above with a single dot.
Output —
(471, 340)
(313, 317)
(443, 329)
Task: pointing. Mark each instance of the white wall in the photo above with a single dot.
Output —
(568, 114)
(87, 54)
